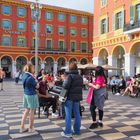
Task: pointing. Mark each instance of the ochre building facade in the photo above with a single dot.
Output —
(116, 37)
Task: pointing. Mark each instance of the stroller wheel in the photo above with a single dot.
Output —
(82, 108)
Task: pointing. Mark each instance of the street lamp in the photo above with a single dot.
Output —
(36, 14)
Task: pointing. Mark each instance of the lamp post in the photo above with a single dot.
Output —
(36, 14)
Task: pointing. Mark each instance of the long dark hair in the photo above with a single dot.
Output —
(99, 71)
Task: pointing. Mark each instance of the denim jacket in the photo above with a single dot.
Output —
(29, 84)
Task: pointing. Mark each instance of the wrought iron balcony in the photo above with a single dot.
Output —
(51, 51)
(132, 27)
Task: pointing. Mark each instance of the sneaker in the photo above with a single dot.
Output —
(31, 130)
(93, 126)
(100, 124)
(118, 93)
(22, 130)
(44, 112)
(55, 115)
(66, 135)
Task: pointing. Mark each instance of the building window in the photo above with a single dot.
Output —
(103, 26)
(48, 44)
(73, 18)
(49, 29)
(84, 20)
(103, 3)
(6, 10)
(6, 41)
(33, 43)
(21, 42)
(84, 32)
(61, 30)
(61, 17)
(6, 24)
(21, 12)
(138, 12)
(61, 45)
(84, 47)
(49, 15)
(119, 20)
(73, 32)
(73, 46)
(21, 26)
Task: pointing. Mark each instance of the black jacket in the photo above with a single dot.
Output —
(74, 84)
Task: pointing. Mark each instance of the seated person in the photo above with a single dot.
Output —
(45, 97)
(132, 87)
(41, 74)
(122, 85)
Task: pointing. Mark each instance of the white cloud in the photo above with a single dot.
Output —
(84, 5)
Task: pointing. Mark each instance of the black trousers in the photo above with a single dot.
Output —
(113, 87)
(93, 110)
(50, 102)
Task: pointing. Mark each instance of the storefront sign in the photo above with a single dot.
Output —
(13, 32)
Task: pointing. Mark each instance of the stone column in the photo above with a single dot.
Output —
(55, 68)
(130, 63)
(13, 68)
(42, 65)
(112, 61)
(96, 61)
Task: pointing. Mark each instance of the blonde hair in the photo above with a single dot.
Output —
(29, 68)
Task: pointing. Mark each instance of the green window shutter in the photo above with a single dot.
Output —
(107, 24)
(123, 19)
(113, 23)
(52, 44)
(99, 27)
(132, 12)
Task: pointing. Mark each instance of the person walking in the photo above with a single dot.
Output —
(30, 98)
(98, 97)
(16, 75)
(2, 76)
(73, 83)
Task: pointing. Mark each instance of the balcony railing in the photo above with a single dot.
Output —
(51, 51)
(131, 26)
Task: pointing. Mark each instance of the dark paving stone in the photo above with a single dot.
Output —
(5, 137)
(100, 132)
(93, 138)
(37, 137)
(132, 133)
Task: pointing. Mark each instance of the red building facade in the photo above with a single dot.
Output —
(64, 35)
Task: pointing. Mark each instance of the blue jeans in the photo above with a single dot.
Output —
(75, 106)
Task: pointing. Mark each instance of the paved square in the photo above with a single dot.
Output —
(121, 120)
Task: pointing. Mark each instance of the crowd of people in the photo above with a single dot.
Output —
(120, 86)
(36, 90)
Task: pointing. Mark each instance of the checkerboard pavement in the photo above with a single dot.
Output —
(121, 120)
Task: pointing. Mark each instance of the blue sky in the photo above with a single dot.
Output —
(84, 5)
